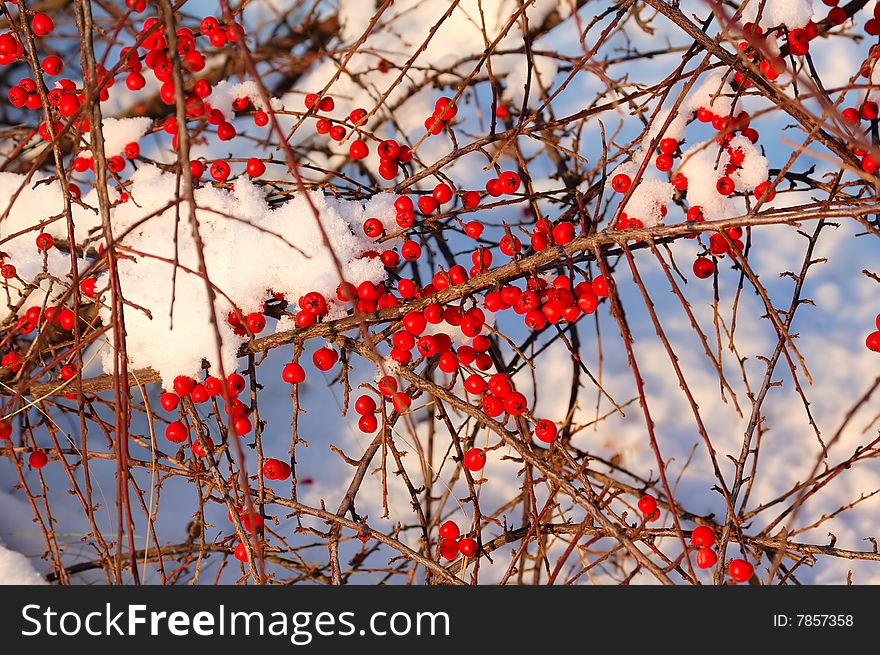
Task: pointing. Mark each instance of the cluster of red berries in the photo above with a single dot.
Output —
(115, 163)
(366, 296)
(703, 539)
(507, 183)
(64, 317)
(391, 156)
(873, 340)
(771, 67)
(251, 522)
(452, 545)
(542, 303)
(275, 469)
(10, 48)
(242, 325)
(201, 392)
(367, 407)
(444, 112)
(325, 104)
(868, 111)
(546, 234)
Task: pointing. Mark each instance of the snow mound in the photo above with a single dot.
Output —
(251, 250)
(16, 569)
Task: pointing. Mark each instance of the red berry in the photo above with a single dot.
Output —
(410, 251)
(42, 25)
(176, 432)
(473, 229)
(741, 570)
(251, 521)
(220, 170)
(702, 536)
(873, 341)
(442, 193)
(621, 183)
(668, 146)
(718, 246)
(664, 163)
(373, 228)
(199, 394)
(293, 373)
(449, 530)
(401, 402)
(704, 267)
(563, 233)
(241, 426)
(358, 150)
(509, 182)
(764, 192)
(515, 403)
(198, 450)
(275, 469)
(241, 553)
(324, 358)
(474, 459)
(449, 548)
(45, 241)
(169, 401)
(235, 383)
(368, 423)
(256, 322)
(647, 505)
(706, 558)
(546, 431)
(365, 405)
(387, 385)
(357, 116)
(52, 65)
(226, 131)
(470, 199)
(725, 186)
(415, 323)
(255, 167)
(467, 547)
(388, 149)
(183, 385)
(37, 459)
(337, 132)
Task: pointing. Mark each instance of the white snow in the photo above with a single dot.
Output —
(791, 13)
(700, 163)
(15, 569)
(714, 93)
(119, 132)
(250, 250)
(755, 168)
(225, 92)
